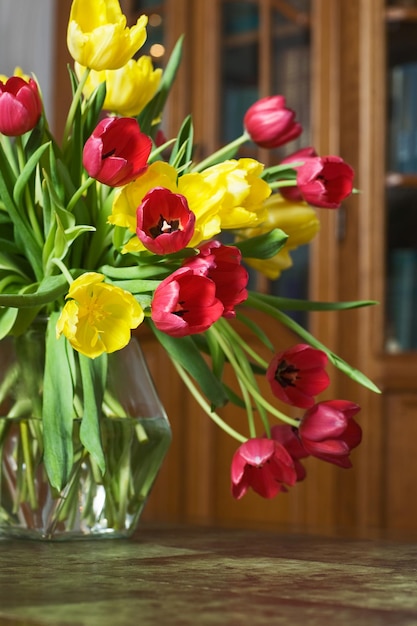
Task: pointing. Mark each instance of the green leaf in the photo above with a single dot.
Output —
(23, 179)
(258, 302)
(31, 247)
(57, 410)
(294, 304)
(154, 108)
(93, 376)
(184, 351)
(264, 246)
(255, 328)
(182, 151)
(7, 320)
(47, 291)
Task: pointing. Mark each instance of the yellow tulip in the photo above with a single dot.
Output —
(98, 317)
(244, 192)
(98, 37)
(128, 89)
(297, 219)
(203, 200)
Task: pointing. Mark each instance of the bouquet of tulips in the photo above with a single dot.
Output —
(102, 232)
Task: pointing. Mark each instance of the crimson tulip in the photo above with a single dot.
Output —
(270, 123)
(325, 181)
(185, 303)
(288, 437)
(117, 152)
(298, 374)
(329, 432)
(222, 264)
(20, 106)
(165, 224)
(293, 194)
(263, 464)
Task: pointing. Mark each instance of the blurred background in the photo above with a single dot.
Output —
(349, 70)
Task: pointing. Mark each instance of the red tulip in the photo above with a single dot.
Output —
(288, 437)
(325, 181)
(293, 194)
(20, 106)
(117, 151)
(185, 303)
(263, 464)
(270, 123)
(329, 432)
(165, 224)
(297, 375)
(222, 264)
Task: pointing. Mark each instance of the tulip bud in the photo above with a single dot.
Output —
(20, 106)
(293, 194)
(270, 123)
(325, 181)
(117, 151)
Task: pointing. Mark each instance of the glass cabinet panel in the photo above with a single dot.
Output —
(401, 188)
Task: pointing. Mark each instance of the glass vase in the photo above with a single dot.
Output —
(135, 436)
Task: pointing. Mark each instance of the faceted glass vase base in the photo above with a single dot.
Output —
(92, 506)
(103, 494)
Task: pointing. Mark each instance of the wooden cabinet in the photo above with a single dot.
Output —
(334, 60)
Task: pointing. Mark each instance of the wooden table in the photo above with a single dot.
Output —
(182, 576)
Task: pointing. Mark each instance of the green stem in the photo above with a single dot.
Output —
(205, 406)
(245, 346)
(74, 104)
(28, 198)
(250, 387)
(65, 271)
(283, 183)
(24, 431)
(80, 191)
(220, 154)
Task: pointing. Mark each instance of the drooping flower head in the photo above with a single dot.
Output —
(185, 303)
(98, 317)
(117, 151)
(263, 464)
(97, 36)
(329, 432)
(325, 181)
(270, 123)
(298, 374)
(222, 264)
(128, 89)
(20, 106)
(165, 224)
(288, 437)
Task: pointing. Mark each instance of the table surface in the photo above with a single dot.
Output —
(186, 576)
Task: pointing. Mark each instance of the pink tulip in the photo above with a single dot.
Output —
(270, 123)
(298, 374)
(288, 437)
(185, 303)
(165, 224)
(329, 432)
(222, 264)
(325, 181)
(117, 152)
(263, 464)
(20, 106)
(293, 194)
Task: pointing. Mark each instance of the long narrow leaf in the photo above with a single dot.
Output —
(338, 362)
(57, 410)
(93, 376)
(184, 351)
